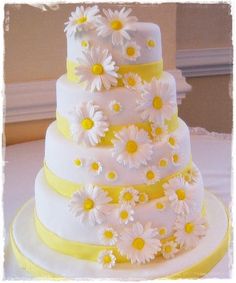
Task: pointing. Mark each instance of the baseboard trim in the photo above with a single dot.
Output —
(205, 62)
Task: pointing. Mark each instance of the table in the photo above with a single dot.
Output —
(210, 151)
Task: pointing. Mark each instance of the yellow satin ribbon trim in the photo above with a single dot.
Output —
(145, 71)
(64, 128)
(196, 271)
(30, 266)
(67, 188)
(76, 249)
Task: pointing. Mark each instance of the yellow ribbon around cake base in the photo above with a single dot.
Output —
(64, 127)
(196, 271)
(67, 188)
(145, 71)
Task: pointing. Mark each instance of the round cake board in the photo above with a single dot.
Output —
(40, 261)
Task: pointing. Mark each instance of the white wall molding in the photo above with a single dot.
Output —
(37, 100)
(205, 62)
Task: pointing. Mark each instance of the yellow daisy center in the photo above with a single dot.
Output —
(124, 214)
(181, 194)
(142, 197)
(95, 166)
(131, 81)
(88, 204)
(150, 175)
(107, 259)
(172, 141)
(162, 231)
(138, 243)
(97, 69)
(111, 175)
(168, 249)
(127, 196)
(158, 131)
(187, 177)
(157, 102)
(151, 43)
(81, 20)
(160, 205)
(116, 25)
(163, 163)
(87, 124)
(130, 51)
(84, 43)
(189, 227)
(116, 107)
(78, 162)
(175, 158)
(108, 234)
(131, 146)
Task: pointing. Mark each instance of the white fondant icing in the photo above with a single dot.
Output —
(70, 94)
(61, 153)
(35, 250)
(144, 32)
(52, 210)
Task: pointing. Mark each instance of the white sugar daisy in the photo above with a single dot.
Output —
(159, 132)
(108, 236)
(177, 157)
(81, 19)
(162, 232)
(131, 50)
(111, 176)
(129, 196)
(179, 194)
(151, 43)
(132, 81)
(132, 147)
(143, 198)
(173, 141)
(107, 259)
(151, 175)
(125, 214)
(169, 249)
(157, 101)
(116, 24)
(163, 163)
(191, 175)
(188, 232)
(97, 70)
(160, 204)
(79, 162)
(88, 123)
(139, 243)
(90, 205)
(115, 106)
(85, 44)
(94, 166)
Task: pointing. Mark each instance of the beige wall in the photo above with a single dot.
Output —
(203, 26)
(35, 49)
(206, 26)
(208, 105)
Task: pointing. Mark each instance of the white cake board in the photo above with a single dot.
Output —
(209, 251)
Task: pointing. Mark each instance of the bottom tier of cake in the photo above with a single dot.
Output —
(39, 260)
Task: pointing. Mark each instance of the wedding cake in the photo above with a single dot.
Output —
(119, 189)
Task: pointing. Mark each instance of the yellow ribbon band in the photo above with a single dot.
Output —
(64, 128)
(145, 71)
(76, 249)
(67, 188)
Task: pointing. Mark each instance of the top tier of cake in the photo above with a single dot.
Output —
(134, 46)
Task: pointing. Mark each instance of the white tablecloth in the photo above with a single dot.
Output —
(211, 153)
